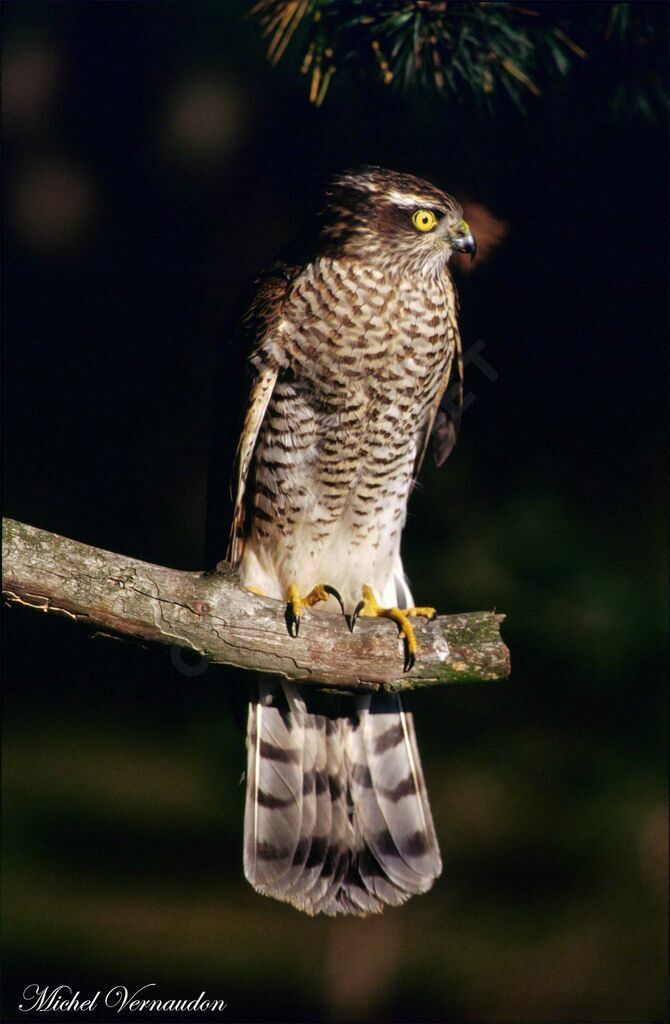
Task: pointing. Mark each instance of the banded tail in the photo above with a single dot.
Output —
(337, 819)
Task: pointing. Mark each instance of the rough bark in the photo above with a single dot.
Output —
(212, 615)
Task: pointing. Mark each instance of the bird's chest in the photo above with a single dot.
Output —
(360, 339)
(363, 359)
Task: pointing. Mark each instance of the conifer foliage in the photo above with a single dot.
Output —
(486, 52)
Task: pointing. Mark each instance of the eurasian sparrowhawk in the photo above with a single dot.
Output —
(353, 350)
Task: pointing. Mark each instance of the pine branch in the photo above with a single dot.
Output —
(213, 616)
(483, 51)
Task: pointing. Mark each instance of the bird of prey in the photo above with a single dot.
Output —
(354, 349)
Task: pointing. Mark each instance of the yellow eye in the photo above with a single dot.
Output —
(424, 220)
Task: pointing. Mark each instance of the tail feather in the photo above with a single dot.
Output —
(337, 820)
(412, 860)
(293, 881)
(371, 823)
(317, 815)
(274, 803)
(377, 881)
(341, 840)
(328, 849)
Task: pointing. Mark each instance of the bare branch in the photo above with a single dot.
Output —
(214, 616)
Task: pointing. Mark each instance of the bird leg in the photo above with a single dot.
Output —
(295, 603)
(401, 616)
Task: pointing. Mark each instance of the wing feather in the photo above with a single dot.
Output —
(261, 393)
(442, 421)
(261, 325)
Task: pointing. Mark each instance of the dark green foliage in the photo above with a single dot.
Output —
(484, 52)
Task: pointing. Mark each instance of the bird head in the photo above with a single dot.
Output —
(396, 220)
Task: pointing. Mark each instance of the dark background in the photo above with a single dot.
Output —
(153, 162)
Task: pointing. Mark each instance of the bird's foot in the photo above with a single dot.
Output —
(401, 616)
(295, 603)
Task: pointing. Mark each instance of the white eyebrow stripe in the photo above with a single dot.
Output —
(406, 199)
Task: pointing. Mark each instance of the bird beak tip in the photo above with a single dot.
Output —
(465, 243)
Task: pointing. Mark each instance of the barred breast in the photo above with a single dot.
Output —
(362, 355)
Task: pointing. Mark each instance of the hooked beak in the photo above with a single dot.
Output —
(464, 242)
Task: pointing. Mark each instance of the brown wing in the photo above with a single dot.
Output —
(259, 323)
(443, 419)
(447, 419)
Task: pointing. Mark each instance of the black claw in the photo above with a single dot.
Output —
(292, 621)
(357, 611)
(410, 661)
(336, 594)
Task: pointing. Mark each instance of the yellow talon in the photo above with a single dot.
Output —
(369, 606)
(255, 590)
(295, 603)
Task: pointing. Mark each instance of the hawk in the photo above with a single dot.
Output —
(353, 348)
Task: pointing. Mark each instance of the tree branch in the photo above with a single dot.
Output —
(214, 616)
